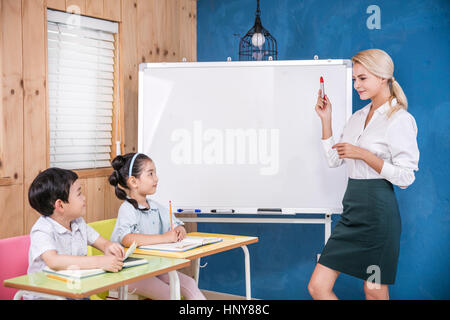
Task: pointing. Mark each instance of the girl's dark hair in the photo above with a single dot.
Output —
(50, 185)
(121, 165)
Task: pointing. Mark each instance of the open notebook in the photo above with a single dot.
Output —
(84, 273)
(188, 243)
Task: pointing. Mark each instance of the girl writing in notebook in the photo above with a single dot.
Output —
(145, 221)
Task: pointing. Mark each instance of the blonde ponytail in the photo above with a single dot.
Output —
(379, 63)
(399, 95)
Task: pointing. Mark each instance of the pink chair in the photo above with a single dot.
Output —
(13, 262)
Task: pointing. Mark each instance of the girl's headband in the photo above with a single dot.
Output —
(132, 163)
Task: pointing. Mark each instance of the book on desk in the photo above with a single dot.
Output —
(84, 273)
(188, 243)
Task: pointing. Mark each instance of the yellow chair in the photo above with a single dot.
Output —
(105, 229)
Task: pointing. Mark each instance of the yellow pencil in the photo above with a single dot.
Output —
(170, 206)
(52, 276)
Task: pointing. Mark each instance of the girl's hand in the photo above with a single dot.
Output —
(110, 263)
(170, 236)
(347, 150)
(323, 106)
(181, 232)
(115, 249)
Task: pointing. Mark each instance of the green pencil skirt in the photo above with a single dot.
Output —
(366, 241)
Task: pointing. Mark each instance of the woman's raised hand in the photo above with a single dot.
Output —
(323, 106)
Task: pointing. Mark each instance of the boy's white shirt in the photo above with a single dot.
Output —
(47, 234)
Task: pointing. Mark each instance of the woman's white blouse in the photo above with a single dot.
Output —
(392, 139)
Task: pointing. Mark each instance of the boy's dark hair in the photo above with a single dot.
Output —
(121, 165)
(50, 185)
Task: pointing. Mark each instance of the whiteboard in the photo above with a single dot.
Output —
(243, 135)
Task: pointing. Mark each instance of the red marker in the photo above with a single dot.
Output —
(322, 87)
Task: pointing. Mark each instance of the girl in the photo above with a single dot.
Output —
(379, 146)
(146, 221)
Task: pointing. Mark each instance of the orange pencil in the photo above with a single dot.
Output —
(170, 206)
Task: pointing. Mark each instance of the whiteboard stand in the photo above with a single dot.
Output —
(326, 221)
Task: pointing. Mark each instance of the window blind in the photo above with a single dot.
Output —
(81, 54)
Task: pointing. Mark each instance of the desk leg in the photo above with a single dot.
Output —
(19, 294)
(123, 293)
(174, 286)
(248, 292)
(196, 270)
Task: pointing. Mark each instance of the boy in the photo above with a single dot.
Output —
(60, 237)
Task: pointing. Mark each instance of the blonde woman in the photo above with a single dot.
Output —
(379, 147)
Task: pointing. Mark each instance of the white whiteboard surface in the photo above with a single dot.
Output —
(243, 135)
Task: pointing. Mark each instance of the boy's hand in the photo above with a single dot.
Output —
(110, 263)
(115, 249)
(181, 233)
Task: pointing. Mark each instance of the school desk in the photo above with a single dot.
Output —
(53, 288)
(229, 242)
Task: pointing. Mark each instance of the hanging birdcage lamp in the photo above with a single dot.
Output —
(258, 44)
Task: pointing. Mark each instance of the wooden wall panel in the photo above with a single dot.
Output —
(95, 198)
(11, 110)
(94, 8)
(172, 22)
(147, 29)
(12, 129)
(188, 30)
(167, 18)
(11, 118)
(57, 4)
(11, 198)
(84, 191)
(35, 98)
(155, 22)
(111, 10)
(112, 203)
(129, 62)
(101, 202)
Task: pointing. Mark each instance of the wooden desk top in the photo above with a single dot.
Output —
(229, 242)
(77, 289)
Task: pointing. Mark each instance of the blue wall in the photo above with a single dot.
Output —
(416, 33)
